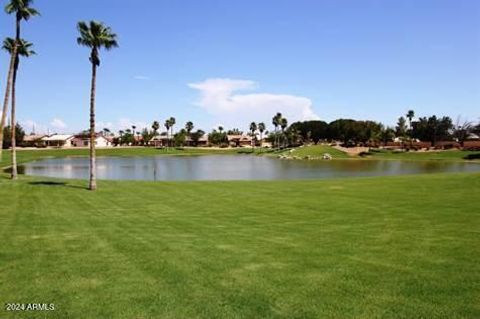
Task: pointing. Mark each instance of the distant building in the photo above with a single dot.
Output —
(202, 141)
(83, 140)
(33, 140)
(58, 140)
(159, 141)
(239, 140)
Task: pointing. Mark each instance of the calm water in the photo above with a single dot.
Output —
(231, 167)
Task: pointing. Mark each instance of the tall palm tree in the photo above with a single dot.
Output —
(167, 125)
(133, 130)
(283, 125)
(95, 35)
(410, 115)
(261, 129)
(23, 11)
(23, 49)
(253, 129)
(172, 123)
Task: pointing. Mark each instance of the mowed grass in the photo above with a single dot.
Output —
(317, 151)
(448, 155)
(396, 247)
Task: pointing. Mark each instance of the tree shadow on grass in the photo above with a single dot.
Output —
(56, 184)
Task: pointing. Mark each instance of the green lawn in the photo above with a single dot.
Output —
(450, 155)
(316, 151)
(396, 247)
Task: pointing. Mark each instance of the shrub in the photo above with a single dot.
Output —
(364, 154)
(472, 156)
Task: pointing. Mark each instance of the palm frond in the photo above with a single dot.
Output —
(24, 48)
(22, 8)
(96, 35)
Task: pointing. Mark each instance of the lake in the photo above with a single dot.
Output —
(232, 167)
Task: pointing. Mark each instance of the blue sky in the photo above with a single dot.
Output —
(233, 62)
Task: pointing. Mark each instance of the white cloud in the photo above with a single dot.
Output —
(218, 97)
(58, 124)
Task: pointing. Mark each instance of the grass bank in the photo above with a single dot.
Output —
(396, 247)
(317, 151)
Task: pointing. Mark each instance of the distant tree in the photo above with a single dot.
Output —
(155, 127)
(387, 135)
(180, 138)
(167, 125)
(461, 130)
(7, 136)
(196, 136)
(189, 127)
(94, 35)
(432, 129)
(410, 115)
(276, 123)
(234, 131)
(218, 138)
(342, 130)
(284, 125)
(261, 130)
(401, 128)
(253, 129)
(172, 124)
(220, 129)
(312, 131)
(147, 135)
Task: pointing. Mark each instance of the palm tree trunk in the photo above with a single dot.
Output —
(14, 174)
(93, 167)
(7, 96)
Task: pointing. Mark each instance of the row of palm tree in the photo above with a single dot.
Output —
(254, 127)
(94, 35)
(279, 121)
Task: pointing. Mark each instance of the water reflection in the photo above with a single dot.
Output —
(228, 167)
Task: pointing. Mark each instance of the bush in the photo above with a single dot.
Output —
(365, 154)
(378, 150)
(472, 156)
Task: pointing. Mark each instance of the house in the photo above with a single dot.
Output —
(33, 140)
(58, 140)
(239, 140)
(83, 140)
(202, 141)
(159, 141)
